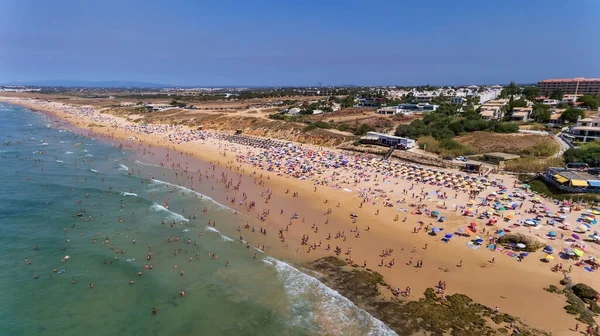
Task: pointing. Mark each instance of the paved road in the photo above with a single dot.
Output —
(563, 145)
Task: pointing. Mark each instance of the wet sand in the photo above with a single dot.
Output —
(504, 283)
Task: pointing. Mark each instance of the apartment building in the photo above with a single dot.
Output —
(521, 113)
(493, 109)
(579, 85)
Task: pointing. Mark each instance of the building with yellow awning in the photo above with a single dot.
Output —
(560, 179)
(579, 183)
(573, 180)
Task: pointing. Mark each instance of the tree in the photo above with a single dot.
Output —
(447, 109)
(531, 92)
(591, 102)
(511, 90)
(541, 115)
(348, 102)
(588, 153)
(557, 94)
(572, 114)
(516, 103)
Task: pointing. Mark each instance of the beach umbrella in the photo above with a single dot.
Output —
(575, 236)
(436, 230)
(448, 235)
(549, 257)
(460, 230)
(521, 245)
(578, 252)
(523, 254)
(548, 248)
(552, 234)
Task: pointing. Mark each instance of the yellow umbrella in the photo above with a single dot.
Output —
(549, 257)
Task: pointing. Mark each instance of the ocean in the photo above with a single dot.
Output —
(82, 202)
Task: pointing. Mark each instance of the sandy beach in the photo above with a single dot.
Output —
(387, 216)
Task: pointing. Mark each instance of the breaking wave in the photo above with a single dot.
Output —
(312, 301)
(171, 215)
(146, 164)
(200, 195)
(224, 237)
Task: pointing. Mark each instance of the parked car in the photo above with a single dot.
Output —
(461, 158)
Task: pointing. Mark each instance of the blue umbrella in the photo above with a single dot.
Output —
(436, 230)
(552, 234)
(548, 248)
(448, 235)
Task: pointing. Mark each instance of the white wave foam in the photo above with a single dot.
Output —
(311, 300)
(123, 167)
(60, 161)
(124, 193)
(88, 155)
(224, 237)
(44, 144)
(191, 191)
(172, 215)
(146, 164)
(68, 153)
(94, 170)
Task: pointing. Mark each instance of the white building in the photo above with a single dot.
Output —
(585, 130)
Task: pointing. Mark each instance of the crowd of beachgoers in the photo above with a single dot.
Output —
(488, 206)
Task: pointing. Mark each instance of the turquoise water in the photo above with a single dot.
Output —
(60, 191)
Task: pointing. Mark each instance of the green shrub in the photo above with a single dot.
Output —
(584, 292)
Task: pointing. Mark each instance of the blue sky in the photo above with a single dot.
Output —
(299, 42)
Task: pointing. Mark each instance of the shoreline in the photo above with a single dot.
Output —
(491, 279)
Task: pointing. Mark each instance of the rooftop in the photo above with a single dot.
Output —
(522, 109)
(520, 114)
(576, 79)
(573, 174)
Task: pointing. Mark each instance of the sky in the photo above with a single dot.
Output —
(299, 43)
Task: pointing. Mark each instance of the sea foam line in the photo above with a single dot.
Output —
(224, 237)
(172, 215)
(341, 312)
(124, 193)
(146, 164)
(123, 167)
(202, 196)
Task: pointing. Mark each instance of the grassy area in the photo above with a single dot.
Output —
(513, 143)
(444, 147)
(533, 164)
